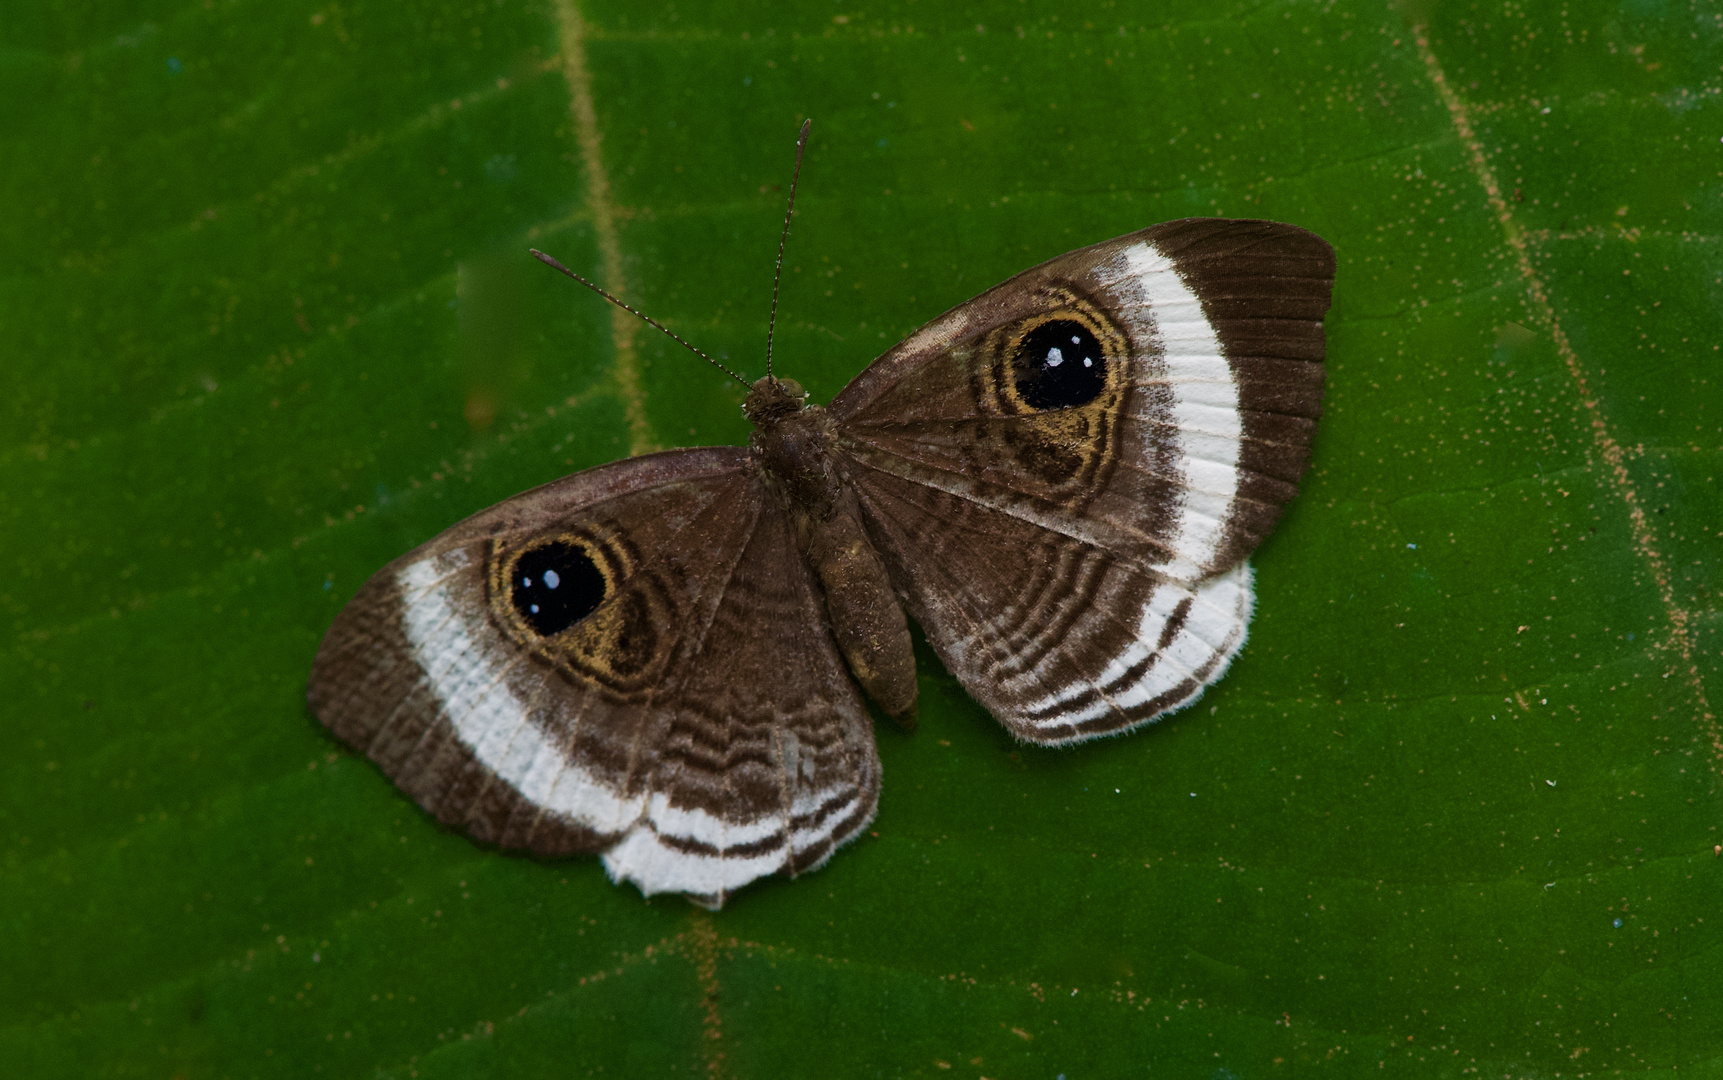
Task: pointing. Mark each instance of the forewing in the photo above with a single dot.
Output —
(632, 661)
(1123, 424)
(1180, 445)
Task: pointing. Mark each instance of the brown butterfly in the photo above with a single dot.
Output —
(663, 659)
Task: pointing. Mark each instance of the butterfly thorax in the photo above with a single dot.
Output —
(789, 442)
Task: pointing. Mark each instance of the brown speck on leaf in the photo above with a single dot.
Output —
(480, 409)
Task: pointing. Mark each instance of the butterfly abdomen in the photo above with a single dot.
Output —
(871, 629)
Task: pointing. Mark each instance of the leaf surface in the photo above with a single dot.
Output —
(271, 323)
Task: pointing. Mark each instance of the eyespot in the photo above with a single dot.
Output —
(1059, 364)
(556, 585)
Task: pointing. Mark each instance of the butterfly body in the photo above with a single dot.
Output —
(662, 660)
(791, 447)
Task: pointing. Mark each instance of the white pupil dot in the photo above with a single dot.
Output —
(1055, 357)
(534, 608)
(1076, 341)
(551, 580)
(526, 583)
(1088, 362)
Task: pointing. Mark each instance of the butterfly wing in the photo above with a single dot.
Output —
(631, 660)
(1066, 474)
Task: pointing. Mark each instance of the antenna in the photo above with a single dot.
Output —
(561, 269)
(778, 275)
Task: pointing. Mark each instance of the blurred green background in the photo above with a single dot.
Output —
(268, 322)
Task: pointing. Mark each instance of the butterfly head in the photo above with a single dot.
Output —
(771, 399)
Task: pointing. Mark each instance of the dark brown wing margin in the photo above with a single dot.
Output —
(1265, 288)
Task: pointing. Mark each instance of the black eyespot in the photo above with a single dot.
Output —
(556, 586)
(1060, 364)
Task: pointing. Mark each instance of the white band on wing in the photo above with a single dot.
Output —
(1205, 408)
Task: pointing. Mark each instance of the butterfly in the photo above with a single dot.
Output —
(664, 659)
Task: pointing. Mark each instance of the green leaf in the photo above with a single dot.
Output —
(270, 323)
